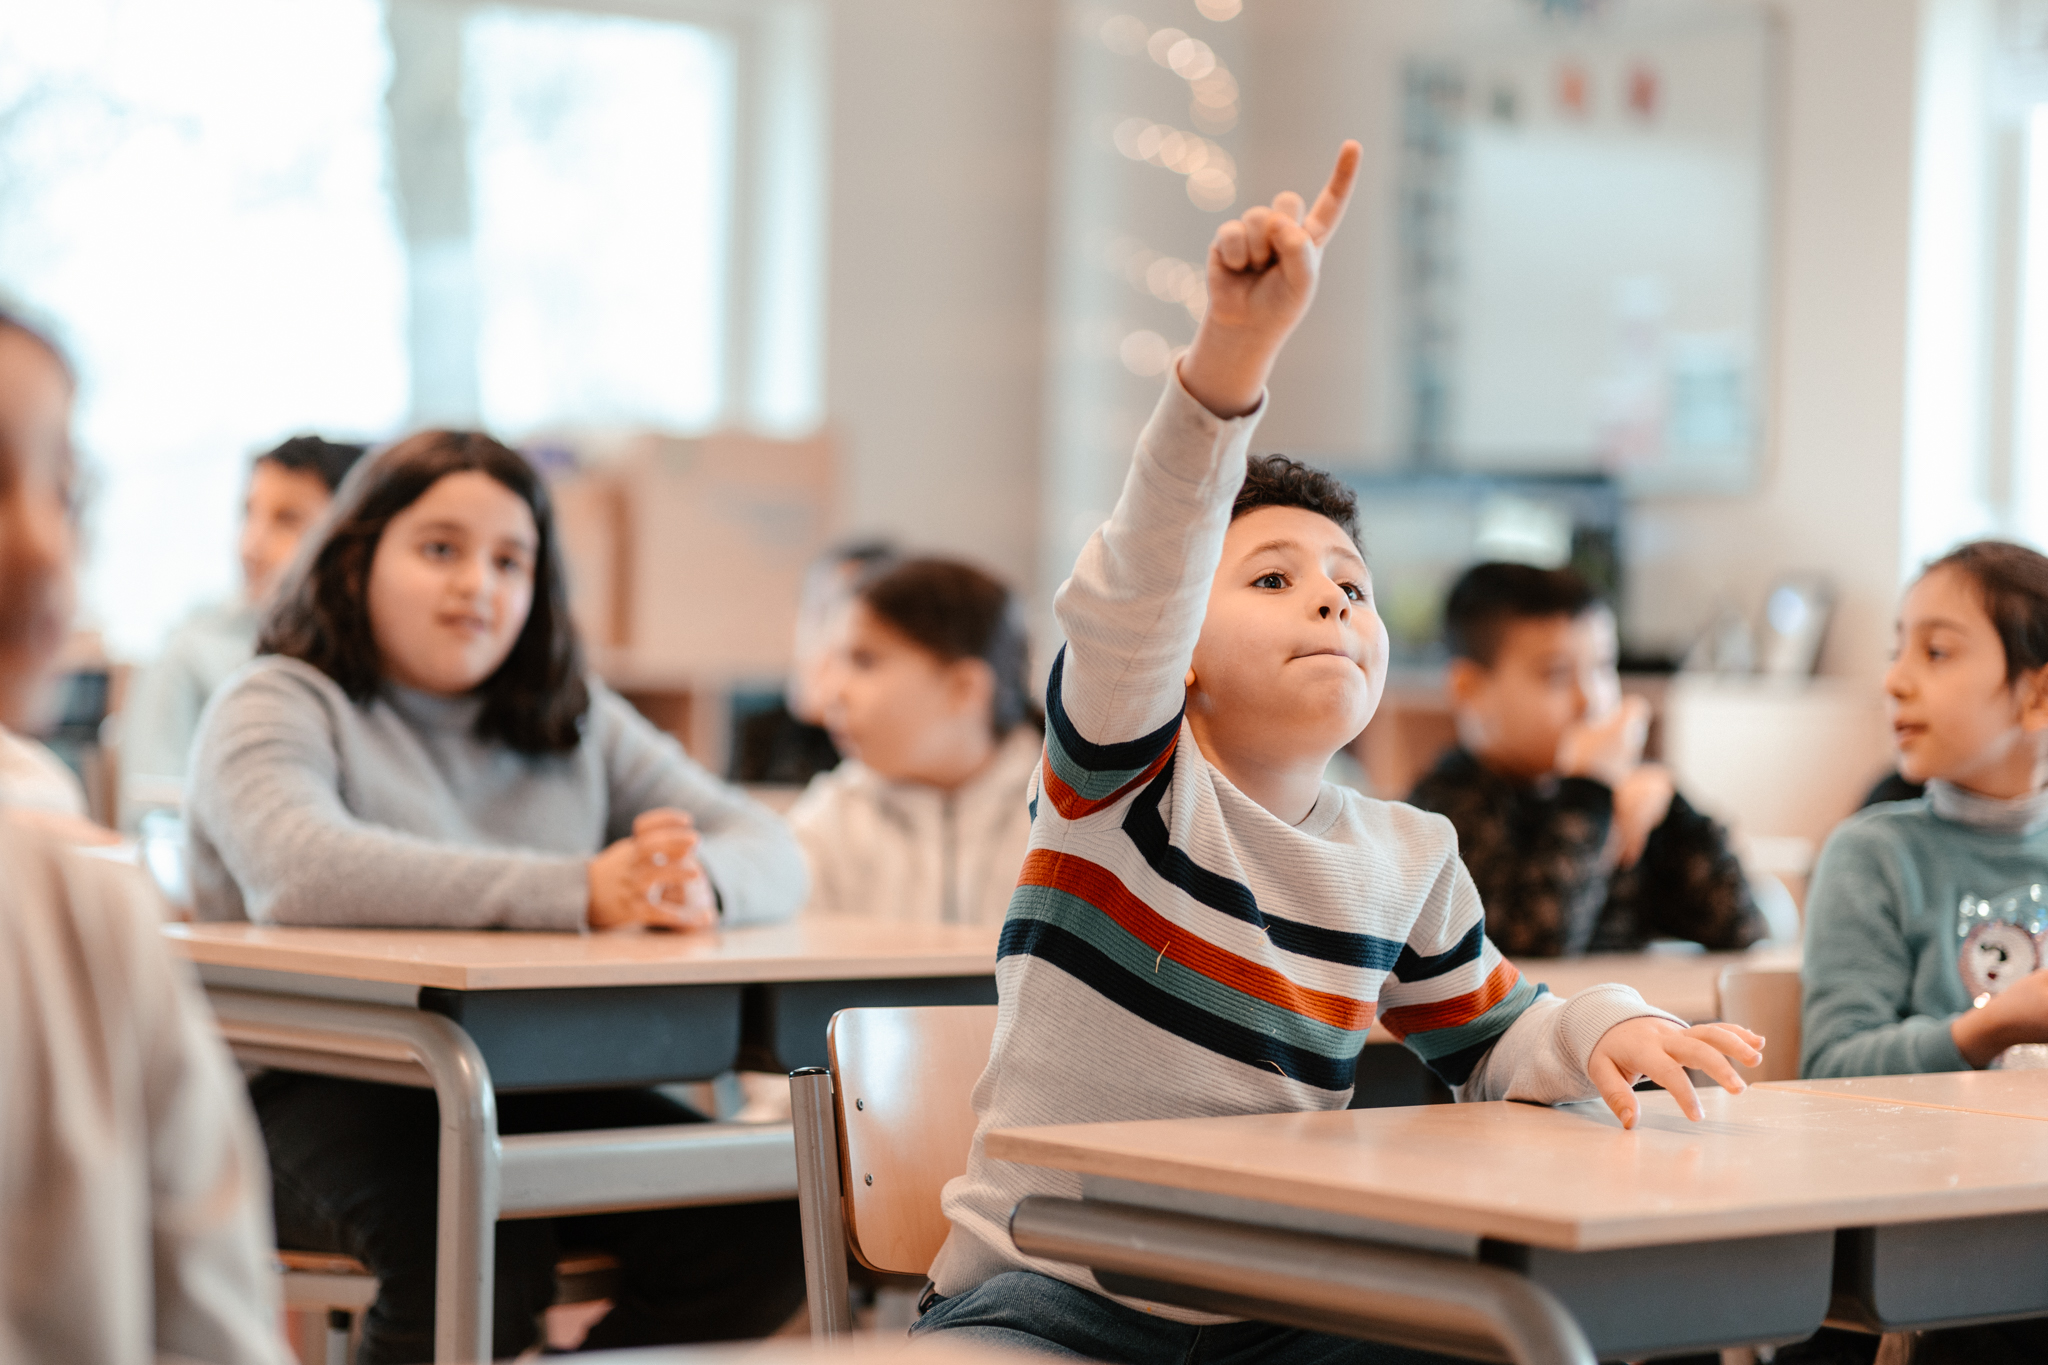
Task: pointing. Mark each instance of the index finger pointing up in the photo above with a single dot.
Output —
(1336, 196)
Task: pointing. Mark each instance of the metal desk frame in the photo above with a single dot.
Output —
(485, 1176)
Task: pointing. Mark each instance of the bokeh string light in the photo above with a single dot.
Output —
(1166, 278)
(1213, 90)
(1211, 171)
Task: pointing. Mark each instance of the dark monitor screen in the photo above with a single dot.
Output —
(1422, 530)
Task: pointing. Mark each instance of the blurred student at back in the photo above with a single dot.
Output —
(133, 1219)
(289, 488)
(788, 745)
(1576, 844)
(929, 697)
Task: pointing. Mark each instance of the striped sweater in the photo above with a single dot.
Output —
(1173, 949)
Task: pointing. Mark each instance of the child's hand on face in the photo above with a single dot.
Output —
(652, 877)
(1607, 749)
(1640, 804)
(1661, 1050)
(1263, 269)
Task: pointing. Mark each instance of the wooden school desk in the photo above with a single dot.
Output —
(471, 1013)
(1535, 1234)
(1893, 1276)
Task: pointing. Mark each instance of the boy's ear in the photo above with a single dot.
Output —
(2032, 692)
(972, 684)
(1465, 678)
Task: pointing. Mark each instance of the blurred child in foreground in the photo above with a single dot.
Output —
(134, 1211)
(1575, 843)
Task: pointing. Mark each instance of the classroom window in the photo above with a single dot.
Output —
(600, 150)
(363, 216)
(196, 194)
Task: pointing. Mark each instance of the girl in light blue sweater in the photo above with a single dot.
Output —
(1923, 929)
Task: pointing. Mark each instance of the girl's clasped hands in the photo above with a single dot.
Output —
(652, 878)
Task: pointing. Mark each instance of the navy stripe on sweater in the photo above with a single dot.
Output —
(1028, 936)
(1147, 830)
(1124, 756)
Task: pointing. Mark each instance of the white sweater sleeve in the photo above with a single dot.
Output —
(1543, 1055)
(1134, 605)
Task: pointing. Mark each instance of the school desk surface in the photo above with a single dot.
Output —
(1676, 1236)
(470, 1014)
(2020, 1094)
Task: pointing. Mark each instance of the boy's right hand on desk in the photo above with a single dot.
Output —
(2017, 1015)
(652, 878)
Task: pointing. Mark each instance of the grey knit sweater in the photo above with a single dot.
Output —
(307, 808)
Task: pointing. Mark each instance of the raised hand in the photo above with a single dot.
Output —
(1263, 269)
(652, 878)
(1661, 1050)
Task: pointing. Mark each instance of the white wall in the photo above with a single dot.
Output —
(940, 146)
(946, 207)
(1828, 494)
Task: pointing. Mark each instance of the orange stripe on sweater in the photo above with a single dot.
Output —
(1072, 805)
(1459, 1009)
(1101, 888)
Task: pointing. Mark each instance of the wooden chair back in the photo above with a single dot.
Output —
(1765, 1000)
(902, 1083)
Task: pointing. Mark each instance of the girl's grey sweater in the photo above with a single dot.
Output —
(307, 808)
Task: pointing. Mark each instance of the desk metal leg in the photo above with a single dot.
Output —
(1382, 1293)
(392, 1043)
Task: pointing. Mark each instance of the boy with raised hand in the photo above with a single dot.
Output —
(1202, 926)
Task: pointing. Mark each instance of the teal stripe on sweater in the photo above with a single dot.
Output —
(1442, 1042)
(1089, 784)
(1094, 926)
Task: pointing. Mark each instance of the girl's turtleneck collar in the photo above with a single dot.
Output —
(431, 710)
(2011, 815)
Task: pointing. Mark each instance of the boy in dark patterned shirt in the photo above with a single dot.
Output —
(1575, 843)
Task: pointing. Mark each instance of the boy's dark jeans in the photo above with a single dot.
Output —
(1048, 1317)
(353, 1166)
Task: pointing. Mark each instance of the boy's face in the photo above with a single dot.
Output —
(282, 505)
(1549, 674)
(36, 538)
(1292, 656)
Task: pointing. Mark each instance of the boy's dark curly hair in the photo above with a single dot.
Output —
(1276, 481)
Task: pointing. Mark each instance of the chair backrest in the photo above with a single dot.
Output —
(1765, 1000)
(902, 1081)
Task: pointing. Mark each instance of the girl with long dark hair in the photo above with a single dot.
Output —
(419, 744)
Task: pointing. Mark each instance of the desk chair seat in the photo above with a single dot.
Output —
(341, 1288)
(879, 1131)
